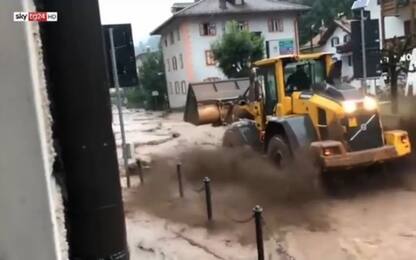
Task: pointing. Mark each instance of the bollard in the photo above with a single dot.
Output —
(259, 231)
(207, 183)
(180, 183)
(139, 165)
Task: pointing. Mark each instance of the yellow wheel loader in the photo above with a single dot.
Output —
(294, 104)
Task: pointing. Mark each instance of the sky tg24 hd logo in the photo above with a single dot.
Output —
(35, 16)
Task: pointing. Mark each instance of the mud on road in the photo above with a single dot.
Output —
(241, 179)
(358, 214)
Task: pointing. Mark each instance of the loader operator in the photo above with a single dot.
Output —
(298, 81)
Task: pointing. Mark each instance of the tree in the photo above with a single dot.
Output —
(152, 78)
(237, 50)
(321, 11)
(394, 63)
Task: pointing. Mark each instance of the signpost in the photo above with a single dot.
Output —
(119, 106)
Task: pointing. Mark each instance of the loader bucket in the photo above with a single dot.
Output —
(212, 102)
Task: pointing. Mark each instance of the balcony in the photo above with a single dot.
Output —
(391, 7)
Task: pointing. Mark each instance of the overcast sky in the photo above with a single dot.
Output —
(144, 15)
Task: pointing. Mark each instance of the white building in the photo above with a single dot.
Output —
(187, 37)
(399, 17)
(332, 39)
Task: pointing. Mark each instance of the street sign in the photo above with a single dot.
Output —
(360, 4)
(155, 93)
(286, 46)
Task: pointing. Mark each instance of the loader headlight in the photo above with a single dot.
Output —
(370, 103)
(349, 106)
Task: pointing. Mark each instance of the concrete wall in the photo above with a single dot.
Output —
(192, 47)
(28, 221)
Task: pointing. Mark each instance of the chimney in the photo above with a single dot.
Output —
(223, 4)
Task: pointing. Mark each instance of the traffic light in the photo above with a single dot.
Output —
(372, 48)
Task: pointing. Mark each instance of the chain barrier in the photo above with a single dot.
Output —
(256, 216)
(240, 221)
(198, 190)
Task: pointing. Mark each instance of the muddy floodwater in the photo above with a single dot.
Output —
(359, 214)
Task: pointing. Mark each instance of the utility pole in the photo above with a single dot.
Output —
(119, 107)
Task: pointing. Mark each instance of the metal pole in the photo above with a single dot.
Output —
(259, 231)
(207, 182)
(139, 165)
(180, 183)
(364, 56)
(120, 112)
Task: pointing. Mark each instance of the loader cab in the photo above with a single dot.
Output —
(283, 78)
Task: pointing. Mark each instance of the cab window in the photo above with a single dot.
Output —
(266, 78)
(302, 75)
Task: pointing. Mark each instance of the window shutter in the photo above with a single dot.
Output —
(212, 29)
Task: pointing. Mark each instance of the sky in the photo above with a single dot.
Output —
(144, 15)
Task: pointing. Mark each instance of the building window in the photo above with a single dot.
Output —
(207, 29)
(242, 25)
(209, 58)
(183, 87)
(177, 89)
(178, 34)
(171, 88)
(168, 65)
(166, 41)
(174, 63)
(172, 38)
(275, 25)
(181, 60)
(347, 38)
(334, 41)
(350, 60)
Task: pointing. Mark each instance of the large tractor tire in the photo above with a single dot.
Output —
(232, 138)
(279, 152)
(242, 133)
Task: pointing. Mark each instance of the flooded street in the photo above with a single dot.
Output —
(369, 217)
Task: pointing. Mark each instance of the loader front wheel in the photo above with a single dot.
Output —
(279, 152)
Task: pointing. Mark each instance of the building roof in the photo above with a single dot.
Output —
(326, 32)
(181, 4)
(212, 7)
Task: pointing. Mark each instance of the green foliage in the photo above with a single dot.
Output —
(152, 78)
(236, 50)
(321, 10)
(136, 97)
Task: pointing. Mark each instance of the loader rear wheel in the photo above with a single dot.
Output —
(279, 152)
